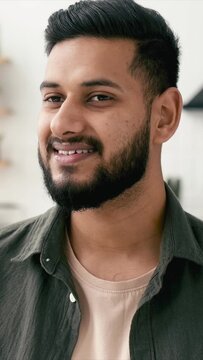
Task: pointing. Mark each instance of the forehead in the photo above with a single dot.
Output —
(88, 57)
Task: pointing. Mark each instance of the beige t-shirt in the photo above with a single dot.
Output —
(107, 310)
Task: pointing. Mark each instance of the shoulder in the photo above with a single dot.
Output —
(16, 230)
(16, 234)
(187, 230)
(196, 225)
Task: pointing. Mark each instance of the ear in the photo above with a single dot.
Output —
(166, 112)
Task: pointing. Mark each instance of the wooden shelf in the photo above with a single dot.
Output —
(3, 60)
(4, 164)
(9, 206)
(4, 111)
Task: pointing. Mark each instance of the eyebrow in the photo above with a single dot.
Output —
(48, 84)
(90, 83)
(101, 82)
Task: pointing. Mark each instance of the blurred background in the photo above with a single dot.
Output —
(22, 63)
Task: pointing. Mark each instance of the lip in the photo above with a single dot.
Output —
(65, 160)
(66, 154)
(71, 146)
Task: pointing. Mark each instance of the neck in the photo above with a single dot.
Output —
(123, 234)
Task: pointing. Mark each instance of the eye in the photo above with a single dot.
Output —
(53, 99)
(100, 98)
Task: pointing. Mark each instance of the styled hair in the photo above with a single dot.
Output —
(156, 57)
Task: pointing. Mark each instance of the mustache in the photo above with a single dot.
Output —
(88, 140)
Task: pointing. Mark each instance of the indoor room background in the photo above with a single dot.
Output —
(22, 63)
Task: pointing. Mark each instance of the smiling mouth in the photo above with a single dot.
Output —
(74, 152)
(70, 154)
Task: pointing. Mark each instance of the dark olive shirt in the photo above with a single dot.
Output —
(40, 321)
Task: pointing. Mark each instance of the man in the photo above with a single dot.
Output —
(115, 270)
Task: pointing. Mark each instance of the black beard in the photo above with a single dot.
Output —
(125, 169)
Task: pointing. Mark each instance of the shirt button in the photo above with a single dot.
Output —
(72, 298)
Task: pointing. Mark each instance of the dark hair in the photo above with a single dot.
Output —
(156, 53)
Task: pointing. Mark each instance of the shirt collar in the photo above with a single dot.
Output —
(44, 235)
(179, 238)
(178, 241)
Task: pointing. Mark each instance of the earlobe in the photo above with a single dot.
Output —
(167, 112)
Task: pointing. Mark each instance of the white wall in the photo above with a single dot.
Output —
(22, 25)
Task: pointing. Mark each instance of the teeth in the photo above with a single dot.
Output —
(72, 152)
(62, 152)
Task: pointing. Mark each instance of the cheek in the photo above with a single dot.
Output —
(115, 134)
(121, 128)
(43, 130)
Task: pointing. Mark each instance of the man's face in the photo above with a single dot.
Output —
(94, 127)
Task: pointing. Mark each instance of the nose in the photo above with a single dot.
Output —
(69, 119)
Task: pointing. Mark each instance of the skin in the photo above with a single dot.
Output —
(120, 240)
